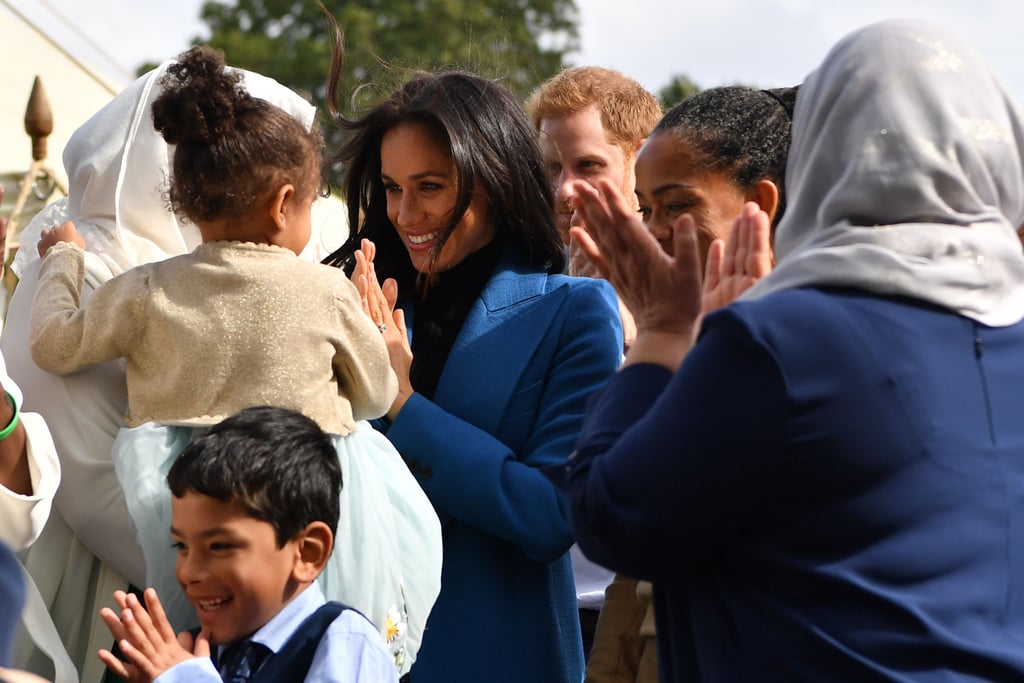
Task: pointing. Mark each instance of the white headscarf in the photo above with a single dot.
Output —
(117, 166)
(906, 176)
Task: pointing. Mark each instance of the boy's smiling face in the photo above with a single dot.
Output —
(230, 567)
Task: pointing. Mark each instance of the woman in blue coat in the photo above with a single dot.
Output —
(495, 351)
(830, 487)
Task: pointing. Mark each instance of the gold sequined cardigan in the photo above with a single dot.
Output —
(225, 327)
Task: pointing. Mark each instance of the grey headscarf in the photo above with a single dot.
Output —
(906, 176)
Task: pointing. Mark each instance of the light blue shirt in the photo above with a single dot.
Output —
(351, 650)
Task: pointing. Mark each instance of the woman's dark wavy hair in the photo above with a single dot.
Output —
(740, 131)
(495, 152)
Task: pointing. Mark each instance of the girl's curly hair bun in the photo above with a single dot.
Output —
(201, 98)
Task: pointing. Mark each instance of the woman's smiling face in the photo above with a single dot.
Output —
(421, 183)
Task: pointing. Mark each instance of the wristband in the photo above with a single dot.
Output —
(13, 424)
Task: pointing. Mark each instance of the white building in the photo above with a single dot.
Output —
(75, 91)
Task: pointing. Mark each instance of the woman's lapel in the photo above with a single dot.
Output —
(497, 342)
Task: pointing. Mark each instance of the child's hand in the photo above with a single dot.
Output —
(146, 639)
(65, 232)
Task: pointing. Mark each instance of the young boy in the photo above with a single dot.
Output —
(254, 512)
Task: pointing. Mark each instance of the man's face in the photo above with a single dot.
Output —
(575, 147)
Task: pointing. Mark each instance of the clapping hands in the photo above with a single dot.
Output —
(734, 265)
(146, 638)
(379, 302)
(664, 292)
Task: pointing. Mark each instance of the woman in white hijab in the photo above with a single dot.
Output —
(117, 166)
(831, 485)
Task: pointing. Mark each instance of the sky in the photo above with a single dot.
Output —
(768, 43)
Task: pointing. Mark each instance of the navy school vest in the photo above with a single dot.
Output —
(291, 663)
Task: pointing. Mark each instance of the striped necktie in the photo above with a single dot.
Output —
(241, 660)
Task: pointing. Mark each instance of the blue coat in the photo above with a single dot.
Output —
(510, 401)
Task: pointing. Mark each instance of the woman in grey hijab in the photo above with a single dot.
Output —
(831, 485)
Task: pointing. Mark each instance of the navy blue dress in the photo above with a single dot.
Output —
(831, 488)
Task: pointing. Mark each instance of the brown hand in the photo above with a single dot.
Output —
(735, 265)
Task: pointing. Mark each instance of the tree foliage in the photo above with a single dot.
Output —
(678, 89)
(519, 42)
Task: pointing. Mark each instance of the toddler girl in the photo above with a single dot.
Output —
(242, 321)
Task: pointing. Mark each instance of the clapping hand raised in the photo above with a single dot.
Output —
(146, 638)
(662, 291)
(736, 264)
(379, 303)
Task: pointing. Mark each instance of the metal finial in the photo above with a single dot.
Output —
(38, 119)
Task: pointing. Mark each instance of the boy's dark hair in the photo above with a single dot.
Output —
(277, 463)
